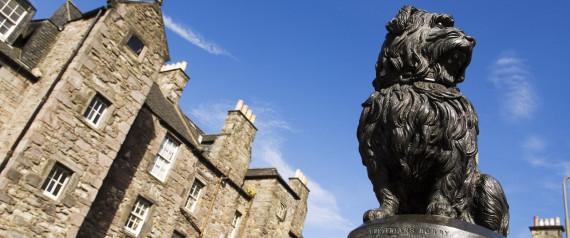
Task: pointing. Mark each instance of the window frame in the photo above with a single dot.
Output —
(143, 45)
(196, 197)
(124, 42)
(160, 161)
(139, 220)
(177, 234)
(236, 221)
(282, 211)
(10, 30)
(50, 184)
(91, 113)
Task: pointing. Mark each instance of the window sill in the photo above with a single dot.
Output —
(97, 129)
(128, 233)
(153, 177)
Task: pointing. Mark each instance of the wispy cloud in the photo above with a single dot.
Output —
(323, 211)
(194, 37)
(534, 143)
(211, 115)
(534, 148)
(510, 75)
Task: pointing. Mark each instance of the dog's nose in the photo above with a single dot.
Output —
(470, 39)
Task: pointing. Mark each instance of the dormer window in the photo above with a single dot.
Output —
(11, 14)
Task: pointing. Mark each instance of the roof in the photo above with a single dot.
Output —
(209, 138)
(32, 39)
(171, 115)
(66, 13)
(270, 173)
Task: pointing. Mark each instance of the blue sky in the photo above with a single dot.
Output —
(304, 68)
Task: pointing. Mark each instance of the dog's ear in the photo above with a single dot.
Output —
(400, 22)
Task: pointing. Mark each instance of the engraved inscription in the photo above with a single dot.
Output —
(408, 230)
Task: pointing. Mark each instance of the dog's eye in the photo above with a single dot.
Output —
(443, 21)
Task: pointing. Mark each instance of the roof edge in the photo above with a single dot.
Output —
(272, 173)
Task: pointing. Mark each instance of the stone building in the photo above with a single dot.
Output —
(94, 144)
(547, 228)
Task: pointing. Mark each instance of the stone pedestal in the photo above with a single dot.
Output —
(420, 226)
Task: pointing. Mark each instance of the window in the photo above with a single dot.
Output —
(138, 215)
(234, 225)
(56, 181)
(282, 210)
(194, 194)
(163, 159)
(10, 15)
(95, 110)
(135, 44)
(177, 234)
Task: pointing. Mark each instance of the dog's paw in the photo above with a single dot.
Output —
(441, 209)
(374, 214)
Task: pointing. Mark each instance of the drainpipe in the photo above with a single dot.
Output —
(48, 93)
(246, 217)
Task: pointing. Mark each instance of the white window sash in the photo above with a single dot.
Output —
(9, 19)
(163, 160)
(137, 217)
(95, 110)
(54, 184)
(193, 195)
(235, 224)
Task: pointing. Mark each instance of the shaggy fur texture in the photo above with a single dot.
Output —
(418, 133)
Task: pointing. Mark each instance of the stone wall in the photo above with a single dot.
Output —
(271, 193)
(129, 178)
(15, 90)
(21, 93)
(61, 135)
(300, 187)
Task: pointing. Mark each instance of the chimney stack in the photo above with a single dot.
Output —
(172, 80)
(548, 227)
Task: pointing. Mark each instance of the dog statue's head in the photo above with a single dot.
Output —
(423, 46)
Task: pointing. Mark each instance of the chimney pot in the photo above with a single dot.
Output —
(239, 104)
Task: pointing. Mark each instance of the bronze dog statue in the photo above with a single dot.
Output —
(418, 133)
